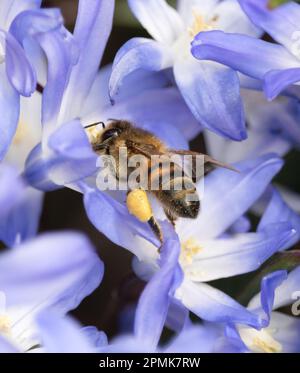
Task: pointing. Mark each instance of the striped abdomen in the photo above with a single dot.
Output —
(175, 190)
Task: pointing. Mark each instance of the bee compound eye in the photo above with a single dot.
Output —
(113, 132)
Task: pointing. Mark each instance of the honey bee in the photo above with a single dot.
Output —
(121, 133)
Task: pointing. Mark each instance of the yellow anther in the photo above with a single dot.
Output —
(5, 325)
(189, 249)
(269, 345)
(21, 133)
(198, 24)
(260, 340)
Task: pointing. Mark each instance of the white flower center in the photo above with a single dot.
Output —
(189, 248)
(21, 133)
(260, 340)
(5, 325)
(18, 328)
(199, 24)
(25, 138)
(182, 45)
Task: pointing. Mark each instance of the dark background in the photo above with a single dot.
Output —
(63, 209)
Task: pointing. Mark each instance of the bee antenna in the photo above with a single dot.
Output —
(95, 124)
(112, 119)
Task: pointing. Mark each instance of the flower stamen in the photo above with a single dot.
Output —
(260, 340)
(5, 325)
(21, 133)
(199, 24)
(189, 249)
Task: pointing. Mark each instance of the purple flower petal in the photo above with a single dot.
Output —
(160, 111)
(213, 305)
(248, 55)
(268, 286)
(154, 302)
(9, 108)
(70, 158)
(146, 101)
(278, 211)
(9, 9)
(280, 23)
(212, 93)
(61, 334)
(108, 215)
(22, 221)
(12, 190)
(158, 18)
(19, 70)
(92, 29)
(276, 81)
(96, 337)
(285, 294)
(196, 339)
(57, 269)
(222, 258)
(61, 53)
(139, 53)
(228, 195)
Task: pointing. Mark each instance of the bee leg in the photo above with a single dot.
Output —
(171, 217)
(138, 205)
(156, 229)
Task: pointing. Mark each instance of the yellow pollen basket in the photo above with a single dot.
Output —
(189, 249)
(199, 24)
(138, 205)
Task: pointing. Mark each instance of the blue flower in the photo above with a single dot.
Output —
(210, 90)
(276, 65)
(23, 28)
(280, 332)
(54, 271)
(148, 322)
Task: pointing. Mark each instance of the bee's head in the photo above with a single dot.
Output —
(109, 133)
(113, 130)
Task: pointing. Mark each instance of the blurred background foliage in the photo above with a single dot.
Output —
(120, 289)
(274, 3)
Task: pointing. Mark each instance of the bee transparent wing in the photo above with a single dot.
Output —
(147, 150)
(197, 164)
(211, 163)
